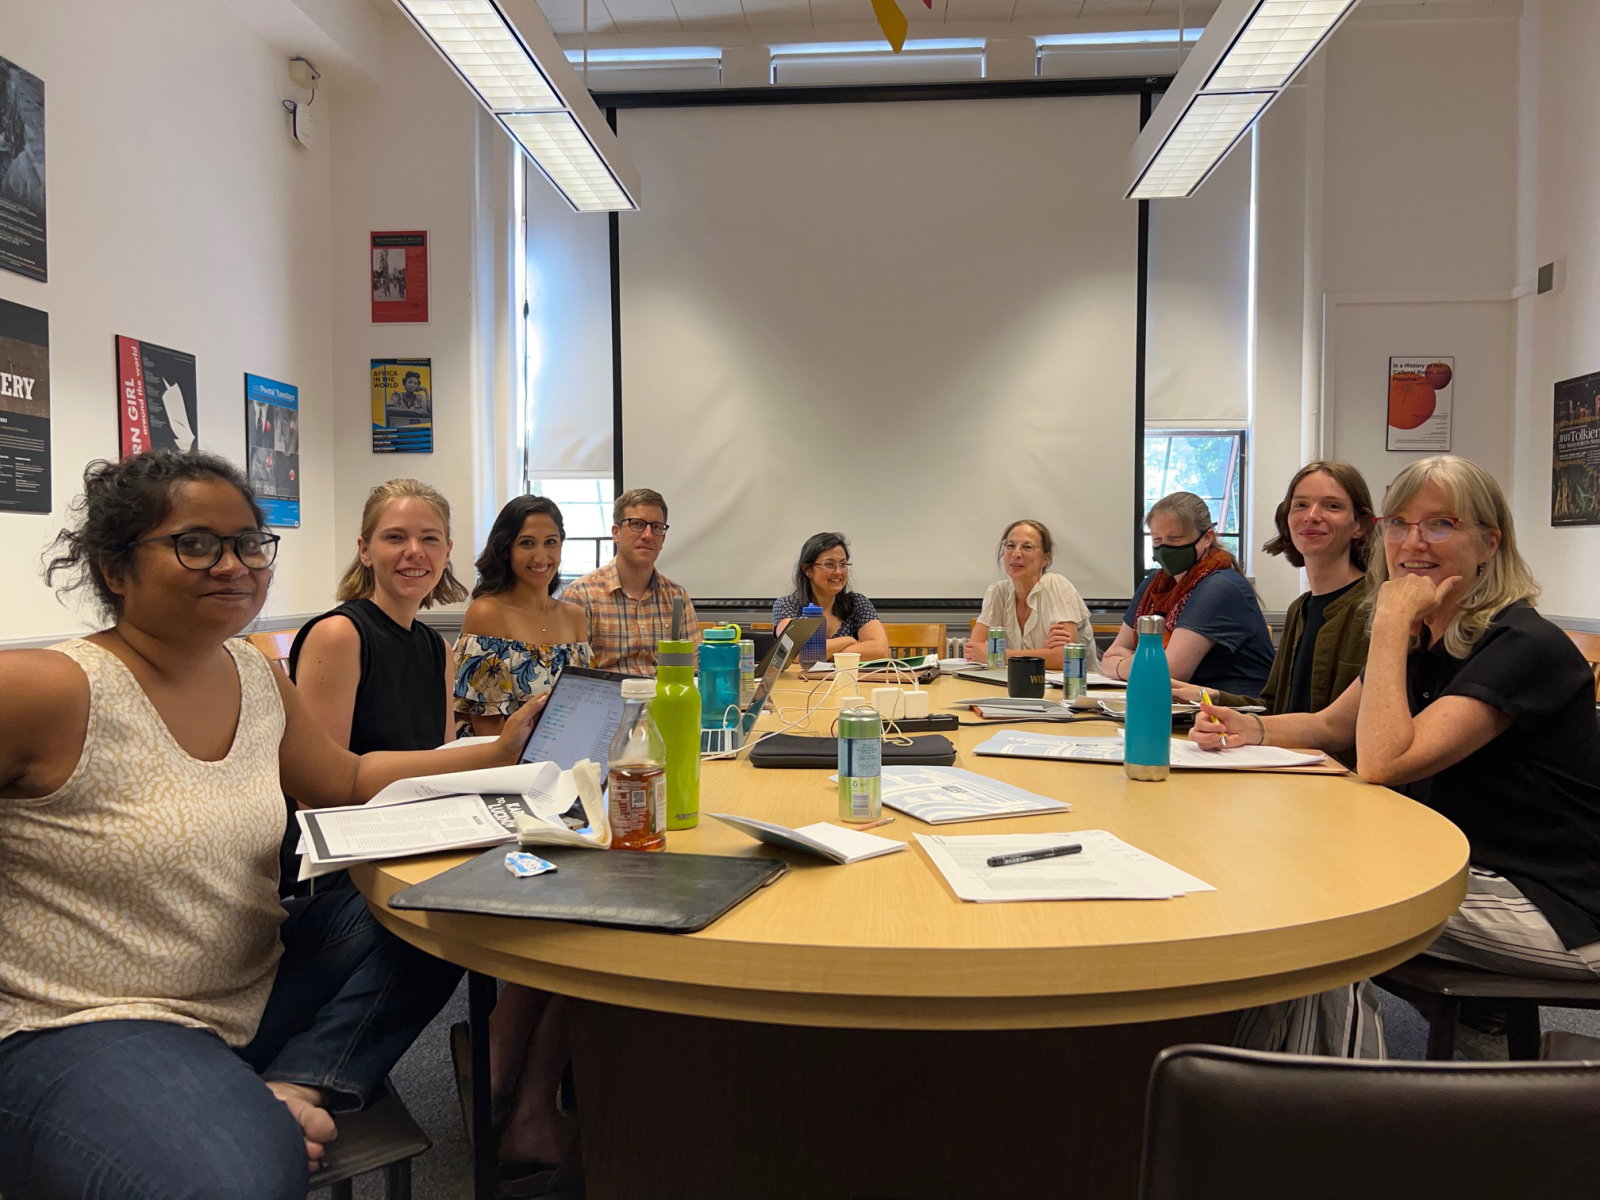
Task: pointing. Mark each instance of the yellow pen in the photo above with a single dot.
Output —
(1205, 698)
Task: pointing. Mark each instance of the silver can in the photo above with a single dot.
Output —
(1074, 670)
(747, 672)
(860, 764)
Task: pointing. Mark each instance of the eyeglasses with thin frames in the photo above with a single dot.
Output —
(1025, 547)
(639, 525)
(200, 549)
(1432, 529)
(833, 564)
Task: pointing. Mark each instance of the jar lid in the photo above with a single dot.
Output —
(638, 689)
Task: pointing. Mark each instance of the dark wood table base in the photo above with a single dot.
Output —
(699, 1109)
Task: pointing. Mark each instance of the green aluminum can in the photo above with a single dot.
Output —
(860, 764)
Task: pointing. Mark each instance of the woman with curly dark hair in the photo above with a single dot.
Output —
(168, 1026)
(516, 637)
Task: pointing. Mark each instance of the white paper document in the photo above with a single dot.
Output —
(833, 842)
(1186, 756)
(438, 812)
(1107, 868)
(942, 795)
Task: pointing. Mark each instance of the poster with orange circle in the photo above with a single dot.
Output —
(1421, 388)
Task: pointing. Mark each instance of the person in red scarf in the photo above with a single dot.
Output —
(1215, 635)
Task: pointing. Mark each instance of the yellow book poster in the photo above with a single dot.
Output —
(402, 405)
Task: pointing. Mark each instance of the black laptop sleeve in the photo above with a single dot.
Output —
(793, 750)
(631, 889)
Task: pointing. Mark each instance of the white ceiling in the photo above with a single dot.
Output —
(717, 16)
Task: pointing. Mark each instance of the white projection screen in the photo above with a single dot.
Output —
(908, 321)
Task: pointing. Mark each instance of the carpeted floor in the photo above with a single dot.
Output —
(425, 1080)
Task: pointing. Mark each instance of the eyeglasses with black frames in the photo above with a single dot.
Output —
(200, 549)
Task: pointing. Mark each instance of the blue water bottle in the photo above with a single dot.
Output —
(1147, 744)
(719, 677)
(816, 647)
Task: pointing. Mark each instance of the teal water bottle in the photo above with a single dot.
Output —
(1147, 743)
(719, 677)
(676, 713)
(816, 647)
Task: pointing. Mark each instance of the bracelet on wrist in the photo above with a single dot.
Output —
(1261, 730)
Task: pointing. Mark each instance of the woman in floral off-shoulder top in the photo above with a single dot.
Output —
(516, 637)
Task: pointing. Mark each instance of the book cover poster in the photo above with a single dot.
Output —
(402, 405)
(156, 397)
(400, 278)
(22, 240)
(272, 440)
(1421, 390)
(24, 409)
(1575, 453)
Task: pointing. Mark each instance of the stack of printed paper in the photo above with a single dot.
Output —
(1011, 743)
(943, 795)
(1107, 868)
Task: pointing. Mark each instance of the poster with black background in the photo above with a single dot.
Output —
(24, 409)
(1575, 453)
(156, 402)
(22, 240)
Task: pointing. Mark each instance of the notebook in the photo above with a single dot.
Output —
(629, 889)
(836, 843)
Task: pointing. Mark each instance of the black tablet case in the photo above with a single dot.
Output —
(631, 889)
(793, 750)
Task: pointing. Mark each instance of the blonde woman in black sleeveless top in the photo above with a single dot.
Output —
(376, 677)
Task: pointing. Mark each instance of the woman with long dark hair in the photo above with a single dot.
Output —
(822, 577)
(516, 637)
(168, 1026)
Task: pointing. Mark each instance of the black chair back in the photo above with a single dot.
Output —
(1246, 1125)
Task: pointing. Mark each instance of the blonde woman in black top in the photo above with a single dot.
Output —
(1475, 705)
(374, 676)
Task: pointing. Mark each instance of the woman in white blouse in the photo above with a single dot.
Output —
(1040, 612)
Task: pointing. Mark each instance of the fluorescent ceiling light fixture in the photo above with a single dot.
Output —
(563, 151)
(877, 47)
(1127, 37)
(650, 54)
(1203, 136)
(510, 58)
(1249, 52)
(477, 42)
(1278, 39)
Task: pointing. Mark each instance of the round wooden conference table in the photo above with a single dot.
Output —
(858, 1031)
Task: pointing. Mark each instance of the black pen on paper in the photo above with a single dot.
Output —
(1022, 856)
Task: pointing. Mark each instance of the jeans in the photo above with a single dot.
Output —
(150, 1110)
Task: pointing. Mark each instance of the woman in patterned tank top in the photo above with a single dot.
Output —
(167, 1026)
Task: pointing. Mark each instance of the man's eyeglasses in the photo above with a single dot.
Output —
(639, 525)
(200, 549)
(1433, 529)
(833, 564)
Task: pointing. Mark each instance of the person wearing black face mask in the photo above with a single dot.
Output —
(1215, 635)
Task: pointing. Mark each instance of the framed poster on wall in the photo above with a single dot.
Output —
(24, 409)
(22, 236)
(1575, 452)
(272, 441)
(399, 262)
(402, 405)
(156, 401)
(1421, 390)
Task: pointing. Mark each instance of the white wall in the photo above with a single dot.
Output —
(179, 211)
(1387, 227)
(1559, 332)
(420, 153)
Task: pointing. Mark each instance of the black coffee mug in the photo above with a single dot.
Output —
(1025, 677)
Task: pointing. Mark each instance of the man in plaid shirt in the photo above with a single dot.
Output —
(628, 602)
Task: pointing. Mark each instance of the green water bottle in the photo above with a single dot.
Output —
(676, 713)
